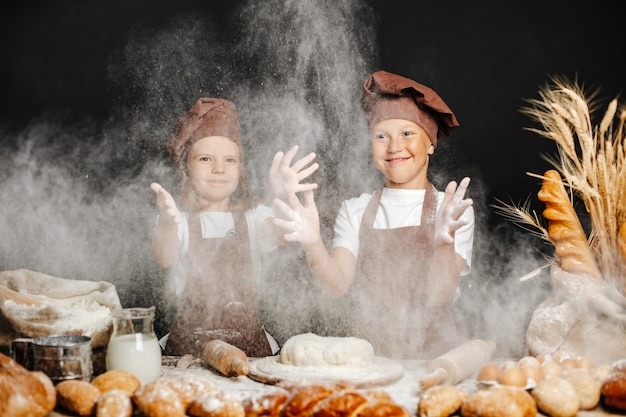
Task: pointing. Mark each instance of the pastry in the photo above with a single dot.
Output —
(188, 386)
(267, 404)
(114, 403)
(440, 401)
(155, 399)
(116, 379)
(216, 404)
(77, 396)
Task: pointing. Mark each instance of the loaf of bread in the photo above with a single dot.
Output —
(564, 229)
(24, 393)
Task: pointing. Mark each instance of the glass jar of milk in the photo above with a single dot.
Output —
(133, 345)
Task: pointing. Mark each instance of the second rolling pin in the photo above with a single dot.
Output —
(459, 363)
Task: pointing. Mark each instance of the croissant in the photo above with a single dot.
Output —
(323, 400)
(565, 230)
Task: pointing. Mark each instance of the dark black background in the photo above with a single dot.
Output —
(484, 58)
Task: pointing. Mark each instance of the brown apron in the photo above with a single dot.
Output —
(220, 298)
(391, 310)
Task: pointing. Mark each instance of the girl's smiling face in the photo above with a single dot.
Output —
(214, 167)
(400, 150)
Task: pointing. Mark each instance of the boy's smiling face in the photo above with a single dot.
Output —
(400, 150)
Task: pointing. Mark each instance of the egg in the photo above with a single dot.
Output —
(529, 361)
(515, 377)
(568, 363)
(532, 372)
(585, 362)
(489, 372)
(551, 368)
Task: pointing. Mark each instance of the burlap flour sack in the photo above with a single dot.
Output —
(582, 317)
(59, 306)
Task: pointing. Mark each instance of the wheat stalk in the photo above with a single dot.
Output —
(592, 163)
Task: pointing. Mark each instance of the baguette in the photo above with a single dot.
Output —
(564, 229)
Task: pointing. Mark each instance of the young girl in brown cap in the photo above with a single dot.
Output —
(212, 238)
(398, 253)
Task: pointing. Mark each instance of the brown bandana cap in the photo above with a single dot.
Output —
(391, 96)
(207, 117)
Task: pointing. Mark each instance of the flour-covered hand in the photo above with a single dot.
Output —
(448, 219)
(168, 210)
(300, 222)
(285, 178)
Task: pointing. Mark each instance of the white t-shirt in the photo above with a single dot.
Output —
(221, 224)
(398, 208)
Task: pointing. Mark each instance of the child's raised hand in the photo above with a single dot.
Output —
(166, 204)
(448, 219)
(301, 223)
(285, 179)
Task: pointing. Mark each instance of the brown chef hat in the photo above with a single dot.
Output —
(207, 117)
(390, 96)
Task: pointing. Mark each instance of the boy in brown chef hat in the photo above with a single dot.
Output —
(213, 244)
(398, 253)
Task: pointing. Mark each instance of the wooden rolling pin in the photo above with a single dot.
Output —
(459, 363)
(225, 358)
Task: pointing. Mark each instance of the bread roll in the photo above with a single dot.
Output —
(158, 400)
(586, 386)
(522, 398)
(77, 396)
(116, 379)
(556, 397)
(114, 403)
(614, 391)
(490, 403)
(440, 401)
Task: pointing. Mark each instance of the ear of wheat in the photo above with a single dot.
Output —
(592, 165)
